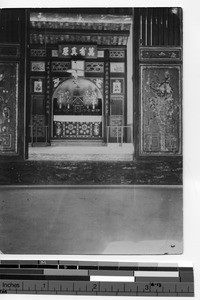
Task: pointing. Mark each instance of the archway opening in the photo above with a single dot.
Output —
(77, 110)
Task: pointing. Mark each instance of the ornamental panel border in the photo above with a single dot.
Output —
(160, 53)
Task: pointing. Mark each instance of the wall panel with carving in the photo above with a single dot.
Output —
(8, 107)
(160, 110)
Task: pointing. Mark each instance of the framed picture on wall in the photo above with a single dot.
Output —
(37, 85)
(117, 85)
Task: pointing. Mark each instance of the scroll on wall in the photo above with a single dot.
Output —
(8, 107)
(160, 110)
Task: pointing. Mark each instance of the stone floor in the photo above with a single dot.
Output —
(156, 171)
(91, 220)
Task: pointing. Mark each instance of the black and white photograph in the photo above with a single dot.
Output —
(94, 162)
(99, 147)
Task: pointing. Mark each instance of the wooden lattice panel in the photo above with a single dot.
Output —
(60, 66)
(38, 52)
(117, 54)
(94, 67)
(77, 130)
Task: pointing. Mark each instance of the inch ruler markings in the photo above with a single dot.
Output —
(95, 278)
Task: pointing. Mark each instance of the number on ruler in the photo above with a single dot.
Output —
(94, 287)
(147, 288)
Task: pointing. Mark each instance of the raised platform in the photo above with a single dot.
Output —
(36, 172)
(82, 151)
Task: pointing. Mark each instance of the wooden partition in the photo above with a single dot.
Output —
(12, 64)
(158, 81)
(59, 43)
(31, 68)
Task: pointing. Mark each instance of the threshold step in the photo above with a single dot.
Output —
(87, 143)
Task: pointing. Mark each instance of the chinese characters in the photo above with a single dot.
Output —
(87, 51)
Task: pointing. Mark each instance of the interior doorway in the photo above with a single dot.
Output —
(78, 80)
(77, 110)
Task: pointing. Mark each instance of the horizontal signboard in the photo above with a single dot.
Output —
(87, 51)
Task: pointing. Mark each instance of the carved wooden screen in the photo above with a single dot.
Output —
(160, 110)
(11, 82)
(54, 45)
(158, 106)
(8, 107)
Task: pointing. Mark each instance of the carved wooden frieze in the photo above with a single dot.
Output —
(38, 52)
(8, 108)
(94, 67)
(60, 66)
(55, 38)
(61, 21)
(159, 53)
(160, 105)
(117, 54)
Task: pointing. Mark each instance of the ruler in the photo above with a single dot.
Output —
(95, 278)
